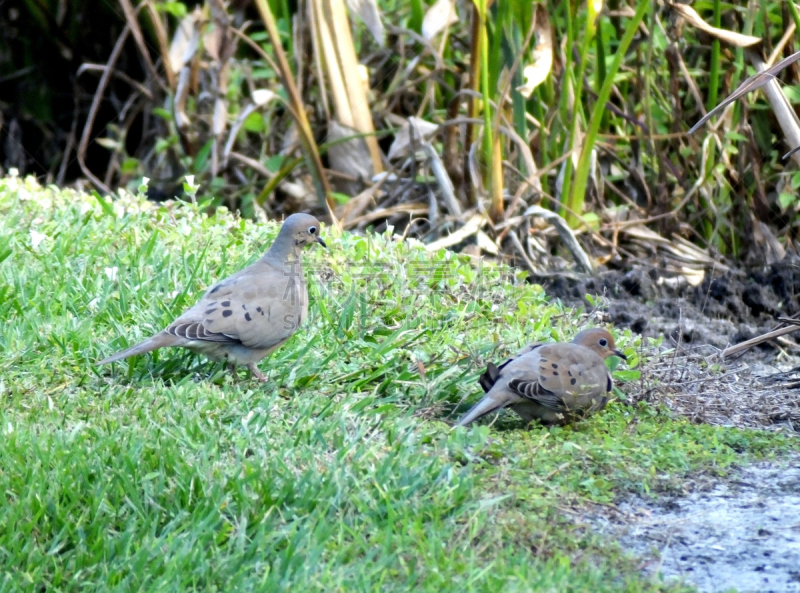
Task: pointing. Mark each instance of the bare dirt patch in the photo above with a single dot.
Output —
(741, 533)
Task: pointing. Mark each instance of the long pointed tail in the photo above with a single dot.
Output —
(489, 403)
(157, 341)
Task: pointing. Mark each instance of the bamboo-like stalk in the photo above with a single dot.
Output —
(357, 102)
(321, 186)
(473, 84)
(492, 150)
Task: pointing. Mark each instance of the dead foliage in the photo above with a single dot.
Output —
(699, 384)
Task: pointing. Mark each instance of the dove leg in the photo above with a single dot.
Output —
(257, 373)
(232, 370)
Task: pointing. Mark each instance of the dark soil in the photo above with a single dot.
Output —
(724, 309)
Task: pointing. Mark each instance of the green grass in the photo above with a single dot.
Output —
(340, 474)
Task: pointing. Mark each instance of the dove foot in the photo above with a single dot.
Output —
(232, 370)
(257, 373)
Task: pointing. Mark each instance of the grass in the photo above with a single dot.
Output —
(340, 474)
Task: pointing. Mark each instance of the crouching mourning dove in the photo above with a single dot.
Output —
(245, 317)
(555, 383)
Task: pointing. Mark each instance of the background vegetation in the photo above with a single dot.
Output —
(580, 108)
(495, 128)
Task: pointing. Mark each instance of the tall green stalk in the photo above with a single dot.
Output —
(576, 198)
(492, 152)
(577, 109)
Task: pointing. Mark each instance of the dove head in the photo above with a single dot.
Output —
(599, 341)
(297, 231)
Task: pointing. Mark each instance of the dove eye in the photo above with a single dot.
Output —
(312, 229)
(603, 342)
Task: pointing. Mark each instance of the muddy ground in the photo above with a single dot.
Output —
(739, 533)
(724, 309)
(742, 533)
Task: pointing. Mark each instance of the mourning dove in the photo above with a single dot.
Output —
(555, 383)
(248, 315)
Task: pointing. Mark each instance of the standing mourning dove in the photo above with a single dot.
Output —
(245, 317)
(556, 383)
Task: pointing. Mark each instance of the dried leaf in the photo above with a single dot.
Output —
(486, 244)
(440, 15)
(445, 184)
(472, 226)
(536, 72)
(108, 143)
(754, 82)
(766, 239)
(356, 206)
(220, 116)
(218, 39)
(212, 42)
(179, 102)
(184, 43)
(402, 139)
(690, 15)
(370, 15)
(693, 277)
(350, 157)
(291, 139)
(566, 234)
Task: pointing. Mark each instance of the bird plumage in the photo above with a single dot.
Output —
(555, 383)
(248, 315)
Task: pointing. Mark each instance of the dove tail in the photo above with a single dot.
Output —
(158, 341)
(486, 405)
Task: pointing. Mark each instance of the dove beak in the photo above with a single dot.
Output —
(620, 354)
(321, 242)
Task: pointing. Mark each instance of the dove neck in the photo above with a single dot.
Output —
(283, 250)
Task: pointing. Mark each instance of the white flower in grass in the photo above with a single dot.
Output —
(37, 238)
(190, 188)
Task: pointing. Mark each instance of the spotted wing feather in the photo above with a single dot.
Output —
(534, 391)
(259, 307)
